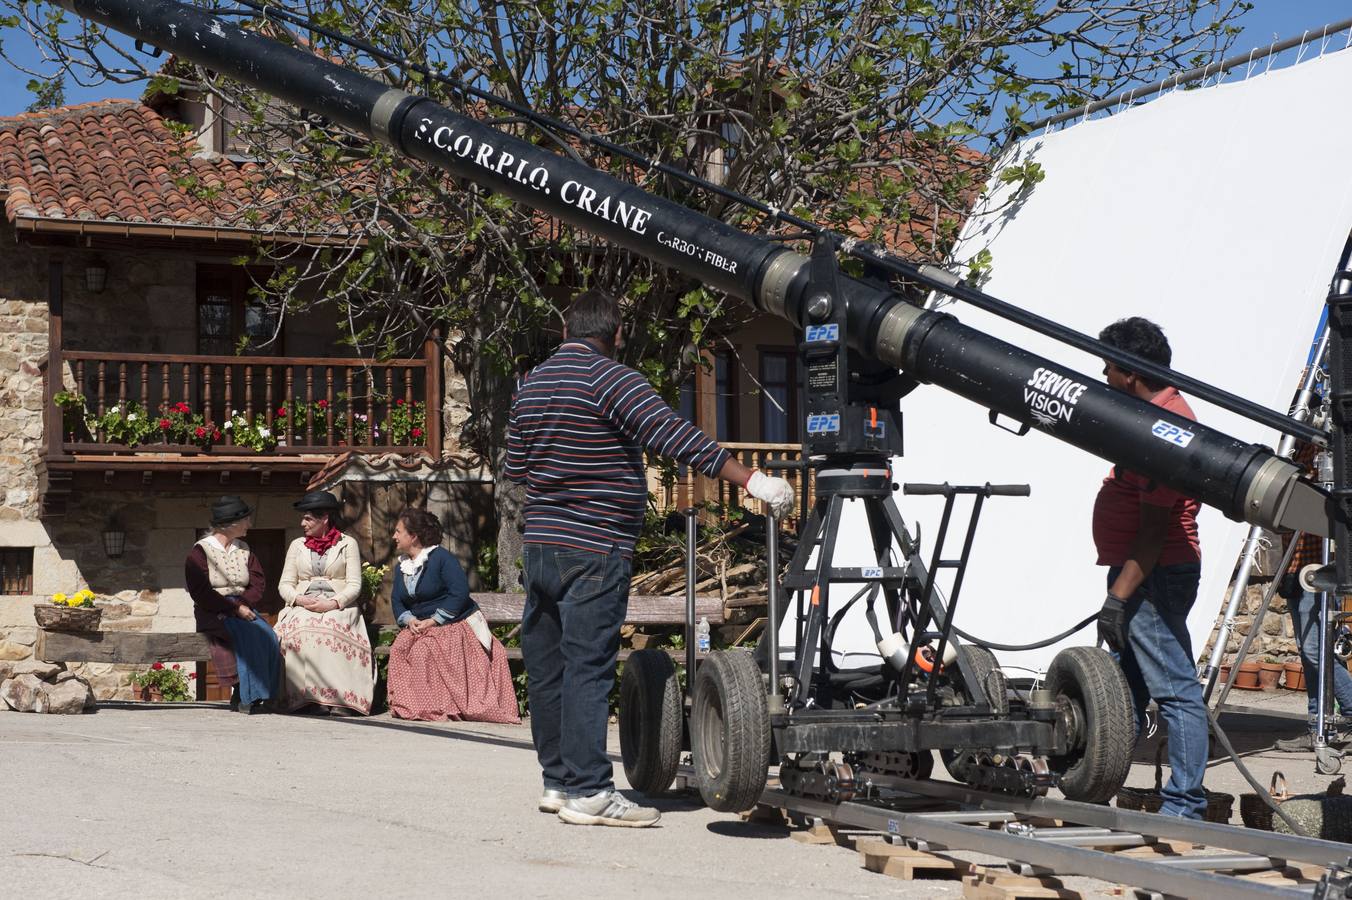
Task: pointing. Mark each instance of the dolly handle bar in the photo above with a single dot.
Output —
(917, 489)
(1246, 481)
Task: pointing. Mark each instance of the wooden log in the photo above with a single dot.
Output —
(643, 609)
(119, 646)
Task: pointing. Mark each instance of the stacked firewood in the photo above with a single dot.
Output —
(729, 563)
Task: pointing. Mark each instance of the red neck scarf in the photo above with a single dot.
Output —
(321, 545)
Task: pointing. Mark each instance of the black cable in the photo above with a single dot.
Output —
(1047, 642)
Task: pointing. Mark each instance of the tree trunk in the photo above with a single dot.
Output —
(509, 498)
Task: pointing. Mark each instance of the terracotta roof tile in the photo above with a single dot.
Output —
(115, 160)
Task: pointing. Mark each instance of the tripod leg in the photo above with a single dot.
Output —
(793, 579)
(818, 607)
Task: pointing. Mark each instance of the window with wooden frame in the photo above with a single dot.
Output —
(229, 317)
(779, 412)
(16, 570)
(727, 420)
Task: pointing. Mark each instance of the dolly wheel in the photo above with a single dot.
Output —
(650, 721)
(1094, 704)
(730, 731)
(994, 689)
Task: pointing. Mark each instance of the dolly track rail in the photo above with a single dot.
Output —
(1071, 851)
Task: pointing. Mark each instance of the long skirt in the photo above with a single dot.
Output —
(326, 659)
(257, 658)
(445, 673)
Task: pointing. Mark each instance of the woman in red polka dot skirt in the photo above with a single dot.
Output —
(445, 664)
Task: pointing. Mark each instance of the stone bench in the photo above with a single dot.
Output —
(145, 648)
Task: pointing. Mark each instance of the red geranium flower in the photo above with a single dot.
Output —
(417, 432)
(323, 404)
(165, 424)
(215, 435)
(157, 666)
(192, 675)
(177, 666)
(181, 407)
(399, 402)
(200, 432)
(281, 411)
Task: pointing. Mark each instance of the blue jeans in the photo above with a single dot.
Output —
(570, 634)
(1305, 620)
(1159, 664)
(258, 657)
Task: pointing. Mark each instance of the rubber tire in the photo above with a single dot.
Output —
(650, 720)
(1091, 678)
(983, 662)
(730, 731)
(995, 685)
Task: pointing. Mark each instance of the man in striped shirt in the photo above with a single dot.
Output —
(579, 425)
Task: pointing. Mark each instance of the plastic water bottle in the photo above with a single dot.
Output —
(702, 635)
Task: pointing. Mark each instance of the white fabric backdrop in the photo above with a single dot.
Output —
(1218, 213)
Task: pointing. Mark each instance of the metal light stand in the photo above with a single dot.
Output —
(691, 537)
(1302, 412)
(1327, 760)
(1340, 493)
(775, 700)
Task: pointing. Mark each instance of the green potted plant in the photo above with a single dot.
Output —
(163, 683)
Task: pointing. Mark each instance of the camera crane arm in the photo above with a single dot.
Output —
(1245, 481)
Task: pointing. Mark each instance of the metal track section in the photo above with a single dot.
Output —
(1082, 846)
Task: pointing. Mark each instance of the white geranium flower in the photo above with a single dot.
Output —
(226, 426)
(131, 417)
(263, 432)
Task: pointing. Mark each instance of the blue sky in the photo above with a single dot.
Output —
(1269, 20)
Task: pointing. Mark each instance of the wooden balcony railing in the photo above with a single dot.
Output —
(679, 488)
(305, 405)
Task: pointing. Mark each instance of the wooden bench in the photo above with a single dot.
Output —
(145, 648)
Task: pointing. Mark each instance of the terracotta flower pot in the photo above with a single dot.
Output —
(147, 693)
(1268, 675)
(1247, 677)
(1224, 675)
(1295, 677)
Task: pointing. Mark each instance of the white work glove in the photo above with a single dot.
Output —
(776, 492)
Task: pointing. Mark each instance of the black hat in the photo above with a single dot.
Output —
(318, 500)
(229, 509)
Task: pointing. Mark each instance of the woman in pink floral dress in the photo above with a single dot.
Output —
(326, 652)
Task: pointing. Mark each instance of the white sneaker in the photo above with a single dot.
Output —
(551, 801)
(608, 808)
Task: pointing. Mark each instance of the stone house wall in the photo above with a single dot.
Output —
(148, 305)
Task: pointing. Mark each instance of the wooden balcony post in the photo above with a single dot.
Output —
(56, 369)
(433, 390)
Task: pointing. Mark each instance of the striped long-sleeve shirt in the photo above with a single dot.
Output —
(579, 425)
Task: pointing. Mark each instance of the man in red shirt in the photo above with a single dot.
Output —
(1146, 534)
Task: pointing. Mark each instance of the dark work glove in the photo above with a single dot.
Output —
(1112, 623)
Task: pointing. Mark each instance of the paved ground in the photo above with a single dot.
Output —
(193, 801)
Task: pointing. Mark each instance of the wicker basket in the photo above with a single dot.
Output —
(67, 618)
(1219, 805)
(1255, 812)
(1327, 815)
